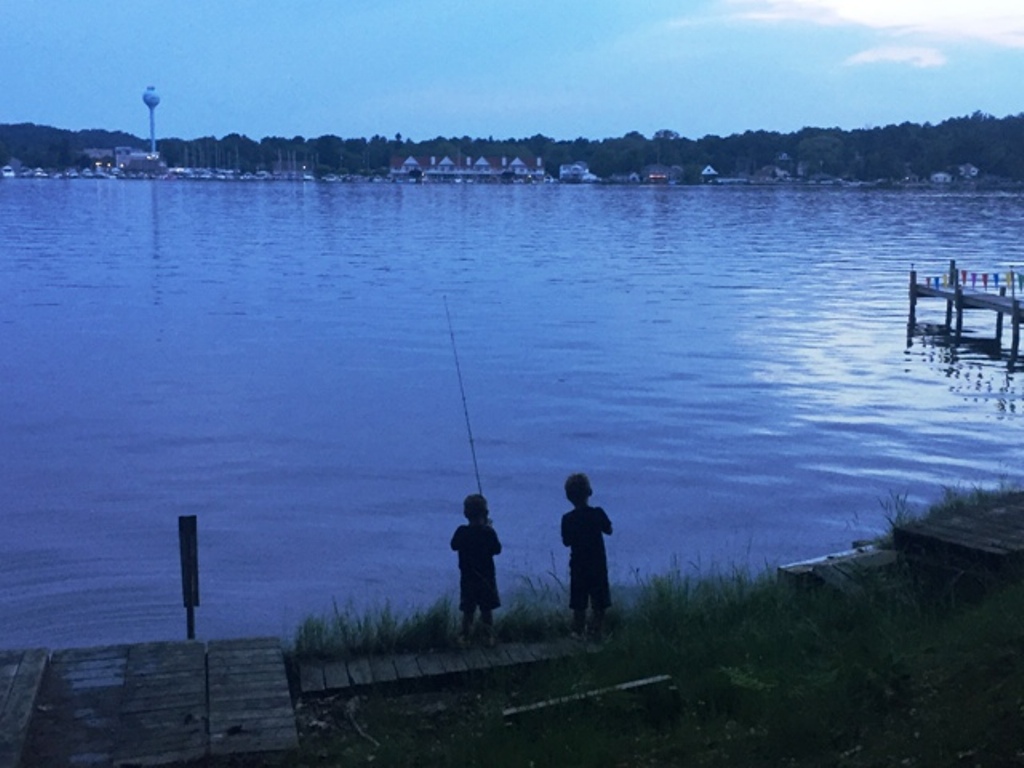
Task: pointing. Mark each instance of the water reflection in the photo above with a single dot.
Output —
(978, 370)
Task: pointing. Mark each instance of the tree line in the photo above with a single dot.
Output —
(994, 146)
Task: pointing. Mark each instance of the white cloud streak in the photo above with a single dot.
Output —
(918, 57)
(995, 22)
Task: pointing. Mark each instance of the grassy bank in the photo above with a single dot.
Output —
(766, 675)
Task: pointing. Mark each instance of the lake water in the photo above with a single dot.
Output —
(730, 366)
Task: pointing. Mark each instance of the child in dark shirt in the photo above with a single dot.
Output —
(477, 544)
(583, 529)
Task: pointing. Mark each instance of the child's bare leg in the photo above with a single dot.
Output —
(467, 624)
(596, 622)
(487, 619)
(579, 621)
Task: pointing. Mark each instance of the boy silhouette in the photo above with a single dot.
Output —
(477, 544)
(583, 531)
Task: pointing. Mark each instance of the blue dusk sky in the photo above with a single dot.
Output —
(506, 68)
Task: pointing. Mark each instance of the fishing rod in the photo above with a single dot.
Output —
(462, 390)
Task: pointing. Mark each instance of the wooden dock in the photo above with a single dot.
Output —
(952, 289)
(985, 542)
(148, 704)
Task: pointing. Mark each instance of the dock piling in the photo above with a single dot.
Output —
(912, 317)
(999, 318)
(1015, 324)
(953, 281)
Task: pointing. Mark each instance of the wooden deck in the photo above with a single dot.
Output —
(322, 677)
(160, 703)
(982, 540)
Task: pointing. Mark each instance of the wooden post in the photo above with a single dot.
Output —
(1015, 320)
(999, 318)
(188, 542)
(912, 317)
(954, 281)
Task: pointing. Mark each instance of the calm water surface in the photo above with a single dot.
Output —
(730, 366)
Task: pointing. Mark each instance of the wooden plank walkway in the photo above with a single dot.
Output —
(333, 676)
(149, 704)
(159, 703)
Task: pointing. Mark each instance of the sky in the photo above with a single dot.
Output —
(506, 68)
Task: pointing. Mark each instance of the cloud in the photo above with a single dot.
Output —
(996, 22)
(918, 57)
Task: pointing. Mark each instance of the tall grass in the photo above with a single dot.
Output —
(765, 674)
(533, 612)
(346, 633)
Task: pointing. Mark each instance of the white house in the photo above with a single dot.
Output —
(575, 173)
(465, 169)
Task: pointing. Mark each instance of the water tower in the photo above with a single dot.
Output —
(152, 99)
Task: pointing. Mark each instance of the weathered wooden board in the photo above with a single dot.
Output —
(76, 656)
(359, 671)
(311, 678)
(407, 667)
(518, 653)
(383, 669)
(250, 708)
(841, 570)
(632, 685)
(475, 659)
(336, 676)
(453, 663)
(162, 717)
(498, 656)
(76, 720)
(430, 665)
(20, 683)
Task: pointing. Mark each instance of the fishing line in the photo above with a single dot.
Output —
(462, 390)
